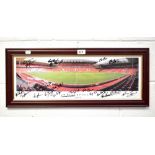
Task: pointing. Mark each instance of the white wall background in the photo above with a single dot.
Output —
(77, 131)
(77, 23)
(76, 19)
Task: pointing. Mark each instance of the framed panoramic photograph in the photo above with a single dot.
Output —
(77, 77)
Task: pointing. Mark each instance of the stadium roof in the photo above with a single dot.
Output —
(65, 59)
(119, 60)
(97, 60)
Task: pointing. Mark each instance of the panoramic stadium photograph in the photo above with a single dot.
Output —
(81, 75)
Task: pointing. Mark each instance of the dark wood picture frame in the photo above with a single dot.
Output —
(144, 52)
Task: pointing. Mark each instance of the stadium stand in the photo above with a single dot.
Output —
(127, 82)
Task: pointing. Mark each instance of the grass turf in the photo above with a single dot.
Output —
(76, 77)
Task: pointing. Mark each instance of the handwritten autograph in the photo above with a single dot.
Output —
(68, 94)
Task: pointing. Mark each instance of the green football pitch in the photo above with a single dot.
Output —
(76, 77)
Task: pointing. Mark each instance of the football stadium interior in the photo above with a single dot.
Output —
(104, 74)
